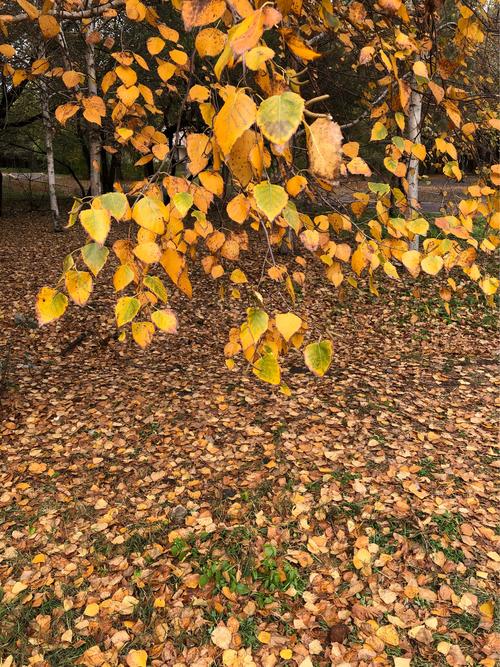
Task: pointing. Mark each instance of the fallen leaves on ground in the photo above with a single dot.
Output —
(156, 508)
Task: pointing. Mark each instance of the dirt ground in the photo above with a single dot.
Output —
(155, 506)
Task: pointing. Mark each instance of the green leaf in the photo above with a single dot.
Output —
(258, 321)
(116, 204)
(183, 202)
(270, 199)
(318, 357)
(399, 142)
(266, 368)
(279, 116)
(95, 256)
(379, 188)
(96, 223)
(156, 285)
(292, 217)
(126, 309)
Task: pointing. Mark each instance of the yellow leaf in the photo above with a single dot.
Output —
(358, 166)
(388, 634)
(50, 305)
(210, 42)
(418, 226)
(432, 264)
(64, 112)
(137, 658)
(266, 368)
(39, 558)
(126, 74)
(247, 157)
(489, 287)
(148, 252)
(238, 208)
(96, 223)
(126, 309)
(358, 260)
(379, 132)
(7, 50)
(142, 333)
(310, 238)
(411, 259)
(257, 56)
(196, 13)
(318, 357)
(288, 324)
(213, 182)
(165, 319)
(236, 116)
(286, 653)
(324, 146)
(299, 48)
(127, 95)
(238, 277)
(361, 558)
(166, 70)
(264, 637)
(351, 149)
(79, 286)
(487, 609)
(150, 214)
(420, 69)
(419, 151)
(18, 587)
(123, 277)
(198, 93)
(91, 609)
(155, 45)
(295, 185)
(221, 636)
(30, 9)
(437, 91)
(168, 33)
(391, 270)
(160, 151)
(71, 78)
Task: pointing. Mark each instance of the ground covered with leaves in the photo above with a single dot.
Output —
(157, 508)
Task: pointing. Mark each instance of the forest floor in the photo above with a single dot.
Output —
(155, 506)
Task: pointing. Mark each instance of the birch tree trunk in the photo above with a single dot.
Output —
(94, 132)
(414, 135)
(51, 172)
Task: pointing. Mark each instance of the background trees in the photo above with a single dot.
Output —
(267, 108)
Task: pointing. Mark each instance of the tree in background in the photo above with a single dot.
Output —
(253, 92)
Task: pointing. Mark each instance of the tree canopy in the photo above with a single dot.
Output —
(265, 108)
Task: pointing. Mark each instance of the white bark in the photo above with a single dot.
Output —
(49, 148)
(414, 135)
(94, 133)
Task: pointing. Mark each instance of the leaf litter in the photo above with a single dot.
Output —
(159, 509)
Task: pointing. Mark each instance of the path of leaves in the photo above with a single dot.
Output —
(157, 508)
